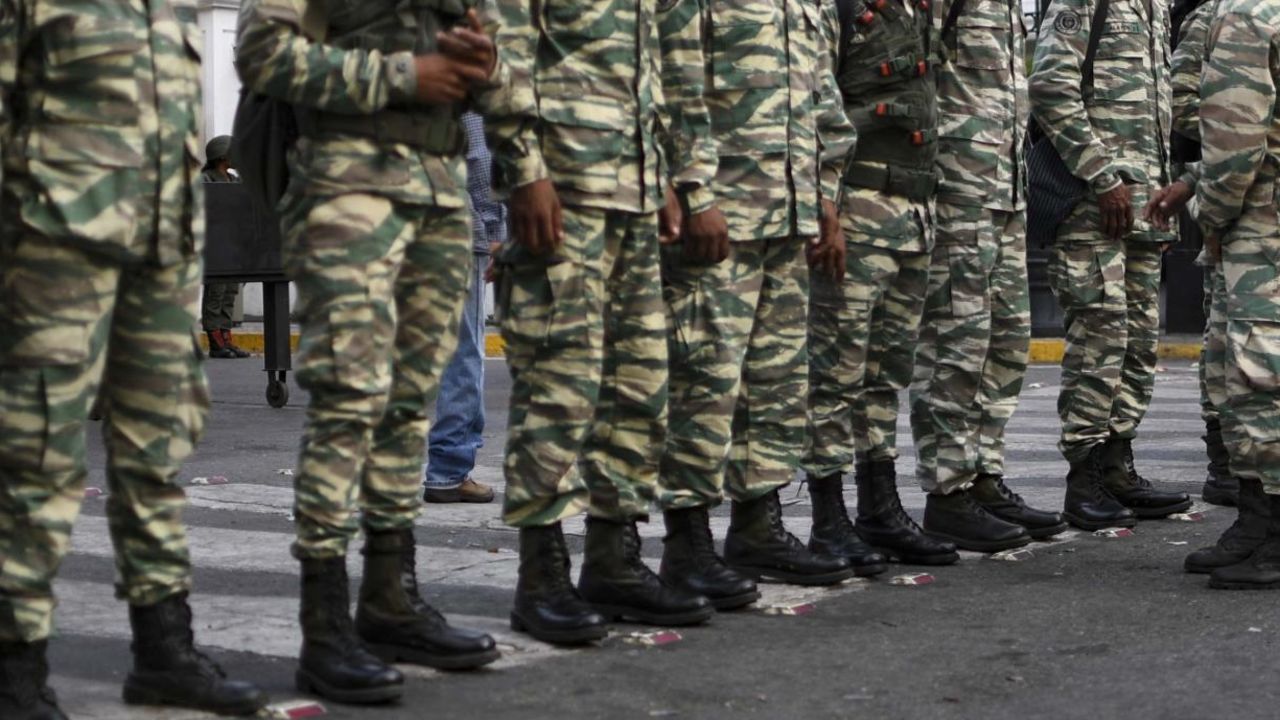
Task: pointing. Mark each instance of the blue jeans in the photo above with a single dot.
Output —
(457, 433)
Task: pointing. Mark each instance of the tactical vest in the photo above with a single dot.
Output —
(888, 88)
(391, 26)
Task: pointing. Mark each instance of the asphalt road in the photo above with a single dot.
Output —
(1086, 627)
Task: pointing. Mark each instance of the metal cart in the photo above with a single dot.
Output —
(242, 245)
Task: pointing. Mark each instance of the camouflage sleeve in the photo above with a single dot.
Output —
(8, 65)
(1238, 94)
(687, 141)
(274, 58)
(837, 136)
(1054, 88)
(1184, 71)
(511, 109)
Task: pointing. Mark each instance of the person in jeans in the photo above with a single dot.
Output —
(458, 431)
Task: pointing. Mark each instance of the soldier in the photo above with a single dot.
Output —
(101, 228)
(976, 331)
(1250, 527)
(219, 299)
(1191, 27)
(759, 197)
(863, 330)
(1105, 269)
(378, 240)
(1237, 209)
(581, 305)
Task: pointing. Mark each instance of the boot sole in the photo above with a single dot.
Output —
(1157, 513)
(1229, 585)
(870, 570)
(1044, 533)
(982, 546)
(790, 578)
(1217, 496)
(905, 559)
(622, 612)
(735, 602)
(576, 636)
(364, 696)
(1092, 526)
(396, 653)
(136, 695)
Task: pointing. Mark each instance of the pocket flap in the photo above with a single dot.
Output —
(88, 36)
(584, 113)
(102, 146)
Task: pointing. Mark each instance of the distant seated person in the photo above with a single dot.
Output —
(220, 298)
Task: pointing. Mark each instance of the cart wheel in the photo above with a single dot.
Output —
(277, 393)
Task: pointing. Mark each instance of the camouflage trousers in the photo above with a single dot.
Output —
(1215, 342)
(862, 340)
(586, 344)
(974, 342)
(1249, 389)
(1109, 294)
(218, 306)
(738, 372)
(73, 324)
(380, 292)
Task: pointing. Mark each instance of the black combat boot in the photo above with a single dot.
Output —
(992, 494)
(168, 670)
(1121, 478)
(546, 605)
(397, 624)
(617, 583)
(959, 519)
(24, 676)
(690, 562)
(759, 545)
(334, 664)
(1220, 486)
(1261, 571)
(886, 526)
(833, 532)
(218, 347)
(1242, 538)
(1087, 504)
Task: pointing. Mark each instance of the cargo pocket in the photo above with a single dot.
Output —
(1255, 352)
(25, 420)
(582, 143)
(968, 280)
(343, 352)
(545, 306)
(44, 323)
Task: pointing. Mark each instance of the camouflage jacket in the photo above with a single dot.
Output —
(101, 149)
(780, 137)
(982, 105)
(275, 58)
(875, 217)
(594, 69)
(1239, 124)
(1185, 67)
(1116, 131)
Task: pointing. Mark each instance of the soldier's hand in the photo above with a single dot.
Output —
(443, 80)
(469, 44)
(1166, 203)
(536, 221)
(1117, 212)
(1213, 244)
(670, 219)
(827, 252)
(706, 237)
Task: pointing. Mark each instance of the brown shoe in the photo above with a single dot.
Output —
(469, 491)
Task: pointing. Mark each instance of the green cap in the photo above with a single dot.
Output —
(218, 148)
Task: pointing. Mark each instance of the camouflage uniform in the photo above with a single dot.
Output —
(1108, 290)
(976, 331)
(1237, 194)
(584, 325)
(737, 331)
(98, 195)
(377, 237)
(863, 330)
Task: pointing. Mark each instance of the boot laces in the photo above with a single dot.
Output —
(1005, 492)
(1132, 470)
(776, 526)
(409, 581)
(205, 665)
(631, 551)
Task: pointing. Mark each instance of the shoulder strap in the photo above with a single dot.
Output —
(953, 16)
(1095, 37)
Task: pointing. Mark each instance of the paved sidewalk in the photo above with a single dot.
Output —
(1084, 627)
